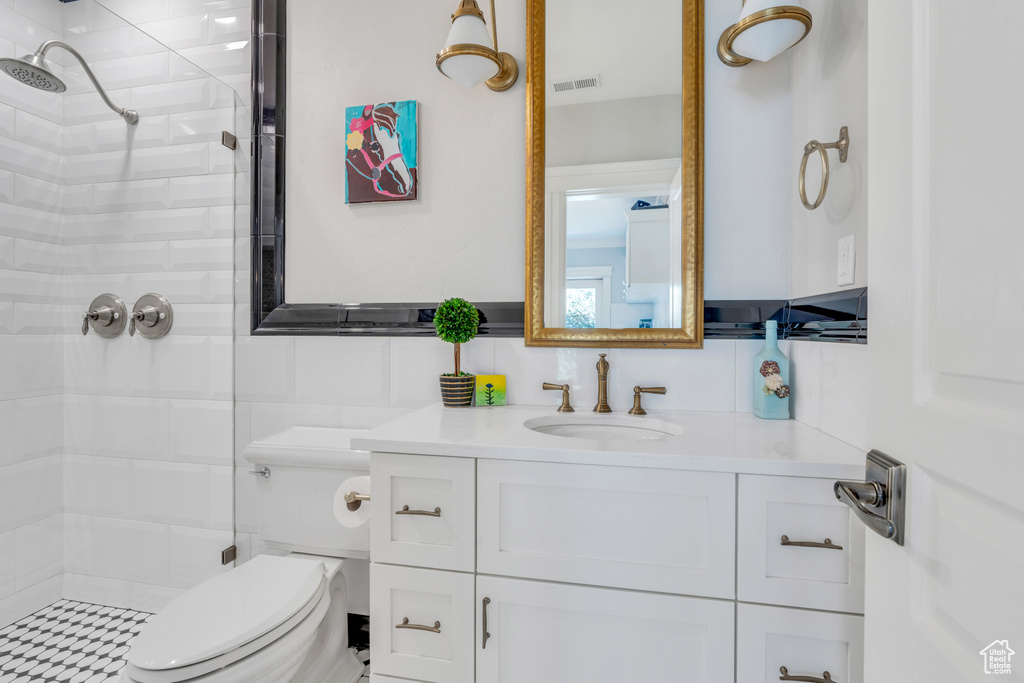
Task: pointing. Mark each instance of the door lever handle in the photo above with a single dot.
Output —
(884, 490)
(880, 525)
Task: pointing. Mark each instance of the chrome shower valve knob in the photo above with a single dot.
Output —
(106, 316)
(147, 316)
(152, 317)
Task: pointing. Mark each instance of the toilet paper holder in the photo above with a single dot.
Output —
(353, 499)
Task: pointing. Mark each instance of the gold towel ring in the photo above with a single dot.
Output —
(842, 144)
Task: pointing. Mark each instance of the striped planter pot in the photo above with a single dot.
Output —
(457, 391)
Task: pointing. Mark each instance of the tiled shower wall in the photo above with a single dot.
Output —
(148, 423)
(115, 455)
(31, 326)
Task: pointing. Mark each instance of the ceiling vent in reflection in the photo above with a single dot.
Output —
(580, 83)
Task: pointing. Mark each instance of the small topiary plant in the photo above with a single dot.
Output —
(456, 321)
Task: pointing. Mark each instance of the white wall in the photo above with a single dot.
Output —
(829, 91)
(830, 79)
(463, 235)
(31, 325)
(634, 129)
(747, 174)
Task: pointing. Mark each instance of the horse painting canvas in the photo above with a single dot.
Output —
(380, 154)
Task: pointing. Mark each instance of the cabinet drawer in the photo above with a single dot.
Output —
(657, 530)
(805, 643)
(556, 633)
(424, 597)
(803, 510)
(404, 487)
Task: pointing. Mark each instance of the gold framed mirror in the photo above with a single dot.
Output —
(644, 208)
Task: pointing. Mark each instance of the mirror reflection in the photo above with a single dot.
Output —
(613, 174)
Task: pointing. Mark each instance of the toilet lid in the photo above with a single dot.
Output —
(227, 611)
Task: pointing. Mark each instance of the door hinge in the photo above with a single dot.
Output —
(228, 555)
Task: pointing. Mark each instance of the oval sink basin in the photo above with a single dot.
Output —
(604, 428)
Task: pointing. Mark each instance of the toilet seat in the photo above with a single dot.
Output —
(228, 618)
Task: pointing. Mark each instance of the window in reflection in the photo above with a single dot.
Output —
(580, 306)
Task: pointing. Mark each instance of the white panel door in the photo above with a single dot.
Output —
(556, 633)
(945, 107)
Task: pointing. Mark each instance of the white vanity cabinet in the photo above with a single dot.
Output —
(782, 554)
(543, 632)
(431, 511)
(807, 644)
(653, 530)
(595, 573)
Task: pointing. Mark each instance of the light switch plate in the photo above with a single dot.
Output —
(847, 259)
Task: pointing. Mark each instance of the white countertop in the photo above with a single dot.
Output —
(720, 442)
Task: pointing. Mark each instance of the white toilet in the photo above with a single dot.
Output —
(274, 619)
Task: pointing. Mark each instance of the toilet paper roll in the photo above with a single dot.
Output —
(349, 518)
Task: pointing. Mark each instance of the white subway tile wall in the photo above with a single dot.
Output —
(31, 330)
(147, 482)
(116, 456)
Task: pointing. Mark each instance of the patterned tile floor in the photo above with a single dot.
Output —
(75, 642)
(68, 642)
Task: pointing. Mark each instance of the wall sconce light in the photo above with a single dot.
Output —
(468, 56)
(763, 31)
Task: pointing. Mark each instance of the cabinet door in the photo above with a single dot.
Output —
(421, 624)
(424, 511)
(658, 530)
(556, 633)
(807, 644)
(801, 570)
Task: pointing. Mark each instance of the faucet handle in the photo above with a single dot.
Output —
(565, 407)
(638, 409)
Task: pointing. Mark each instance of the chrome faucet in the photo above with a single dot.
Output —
(602, 386)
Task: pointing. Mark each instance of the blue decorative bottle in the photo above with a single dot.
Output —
(771, 377)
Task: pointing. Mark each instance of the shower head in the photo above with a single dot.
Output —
(31, 70)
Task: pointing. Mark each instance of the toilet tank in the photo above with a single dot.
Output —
(296, 502)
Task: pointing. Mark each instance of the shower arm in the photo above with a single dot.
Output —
(129, 115)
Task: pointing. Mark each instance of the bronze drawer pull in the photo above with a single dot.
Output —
(487, 635)
(427, 513)
(436, 628)
(825, 677)
(828, 544)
